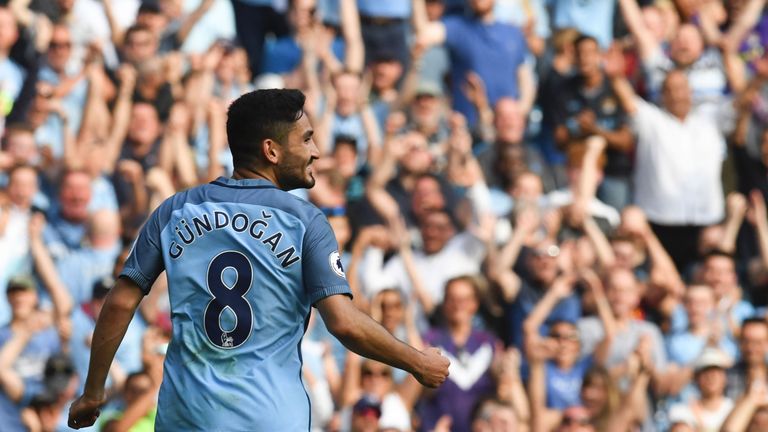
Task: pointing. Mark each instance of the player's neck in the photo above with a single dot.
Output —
(242, 173)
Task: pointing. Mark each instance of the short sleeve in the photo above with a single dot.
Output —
(321, 262)
(145, 262)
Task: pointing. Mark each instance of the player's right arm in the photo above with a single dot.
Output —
(119, 308)
(143, 265)
(361, 334)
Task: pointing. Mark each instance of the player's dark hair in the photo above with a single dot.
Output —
(260, 115)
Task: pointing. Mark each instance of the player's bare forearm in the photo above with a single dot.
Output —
(361, 334)
(118, 310)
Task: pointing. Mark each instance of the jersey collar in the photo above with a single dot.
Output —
(244, 183)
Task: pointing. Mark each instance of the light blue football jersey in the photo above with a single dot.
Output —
(245, 261)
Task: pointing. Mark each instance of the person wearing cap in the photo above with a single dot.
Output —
(370, 384)
(708, 411)
(25, 346)
(427, 112)
(59, 387)
(365, 415)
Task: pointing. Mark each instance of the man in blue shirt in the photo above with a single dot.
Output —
(245, 261)
(25, 344)
(67, 224)
(592, 17)
(495, 51)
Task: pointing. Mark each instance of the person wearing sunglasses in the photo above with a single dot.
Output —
(367, 380)
(576, 419)
(541, 272)
(557, 355)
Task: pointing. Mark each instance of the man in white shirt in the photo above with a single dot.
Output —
(678, 163)
(711, 73)
(444, 254)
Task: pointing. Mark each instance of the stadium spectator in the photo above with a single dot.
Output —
(751, 366)
(709, 411)
(503, 46)
(471, 352)
(672, 145)
(588, 106)
(27, 343)
(66, 227)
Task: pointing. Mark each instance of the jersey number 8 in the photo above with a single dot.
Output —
(232, 297)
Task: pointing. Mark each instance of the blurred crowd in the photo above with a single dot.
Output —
(568, 197)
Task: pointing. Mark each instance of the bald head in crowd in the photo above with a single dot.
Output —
(104, 229)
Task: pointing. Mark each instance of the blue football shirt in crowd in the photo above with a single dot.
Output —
(245, 261)
(592, 17)
(494, 51)
(30, 367)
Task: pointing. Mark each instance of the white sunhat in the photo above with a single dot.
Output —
(712, 357)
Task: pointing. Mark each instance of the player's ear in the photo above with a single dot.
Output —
(271, 150)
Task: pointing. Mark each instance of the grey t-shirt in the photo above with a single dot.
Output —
(625, 341)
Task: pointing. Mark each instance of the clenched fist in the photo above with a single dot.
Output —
(433, 369)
